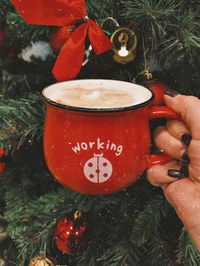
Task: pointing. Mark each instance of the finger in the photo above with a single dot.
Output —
(194, 155)
(158, 174)
(189, 109)
(177, 129)
(168, 144)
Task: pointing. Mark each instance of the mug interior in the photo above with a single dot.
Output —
(137, 96)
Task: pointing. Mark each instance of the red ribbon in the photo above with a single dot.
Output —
(61, 13)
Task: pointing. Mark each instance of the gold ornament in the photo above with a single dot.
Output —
(147, 75)
(38, 261)
(124, 45)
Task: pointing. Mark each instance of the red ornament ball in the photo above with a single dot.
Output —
(59, 36)
(69, 233)
(158, 88)
(3, 43)
(2, 160)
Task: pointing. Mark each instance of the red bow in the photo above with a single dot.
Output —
(61, 13)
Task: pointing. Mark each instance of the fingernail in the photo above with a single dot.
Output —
(186, 138)
(171, 92)
(185, 156)
(174, 173)
(181, 173)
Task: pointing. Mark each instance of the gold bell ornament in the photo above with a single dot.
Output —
(39, 261)
(124, 45)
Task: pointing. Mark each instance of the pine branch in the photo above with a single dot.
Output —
(151, 17)
(17, 28)
(44, 213)
(166, 29)
(149, 220)
(22, 120)
(157, 252)
(187, 251)
(100, 12)
(183, 39)
(16, 214)
(119, 254)
(6, 7)
(22, 77)
(24, 180)
(122, 254)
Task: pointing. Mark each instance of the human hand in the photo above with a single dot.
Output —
(180, 178)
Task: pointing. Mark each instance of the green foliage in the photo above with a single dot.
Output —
(187, 252)
(158, 252)
(22, 121)
(122, 254)
(6, 7)
(151, 17)
(167, 29)
(136, 226)
(149, 220)
(28, 34)
(183, 38)
(99, 14)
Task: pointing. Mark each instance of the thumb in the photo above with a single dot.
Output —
(188, 107)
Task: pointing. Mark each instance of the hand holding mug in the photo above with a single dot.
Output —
(180, 178)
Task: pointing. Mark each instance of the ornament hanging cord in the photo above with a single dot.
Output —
(88, 51)
(146, 72)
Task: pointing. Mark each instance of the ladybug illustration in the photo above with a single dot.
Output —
(98, 169)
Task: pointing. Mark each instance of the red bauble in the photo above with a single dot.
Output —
(15, 49)
(2, 160)
(70, 232)
(158, 88)
(59, 36)
(3, 43)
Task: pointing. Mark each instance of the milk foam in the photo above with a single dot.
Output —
(97, 98)
(97, 93)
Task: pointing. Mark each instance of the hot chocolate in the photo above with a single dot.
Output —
(113, 94)
(97, 98)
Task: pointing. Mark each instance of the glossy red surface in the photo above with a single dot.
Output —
(96, 153)
(158, 88)
(100, 152)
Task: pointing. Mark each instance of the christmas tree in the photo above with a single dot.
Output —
(43, 222)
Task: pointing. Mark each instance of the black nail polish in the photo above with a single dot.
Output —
(186, 138)
(184, 171)
(171, 92)
(174, 173)
(185, 156)
(181, 173)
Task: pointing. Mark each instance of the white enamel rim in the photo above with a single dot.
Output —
(145, 95)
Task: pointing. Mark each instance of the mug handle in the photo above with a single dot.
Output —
(160, 112)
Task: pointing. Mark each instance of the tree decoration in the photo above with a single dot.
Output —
(2, 160)
(3, 43)
(70, 232)
(124, 45)
(39, 261)
(62, 13)
(59, 36)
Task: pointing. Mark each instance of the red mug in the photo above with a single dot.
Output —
(100, 149)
